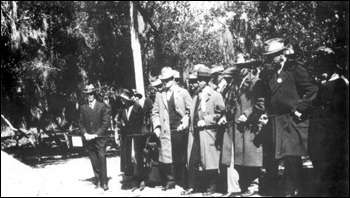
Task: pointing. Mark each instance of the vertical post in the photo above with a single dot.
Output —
(136, 50)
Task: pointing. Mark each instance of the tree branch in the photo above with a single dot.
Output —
(146, 17)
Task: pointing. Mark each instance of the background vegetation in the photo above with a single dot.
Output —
(51, 49)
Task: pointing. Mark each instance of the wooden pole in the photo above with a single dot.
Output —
(136, 50)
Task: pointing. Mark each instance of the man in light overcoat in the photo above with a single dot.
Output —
(170, 116)
(207, 109)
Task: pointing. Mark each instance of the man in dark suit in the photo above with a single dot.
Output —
(130, 121)
(291, 97)
(93, 125)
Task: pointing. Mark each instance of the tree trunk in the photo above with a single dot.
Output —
(136, 49)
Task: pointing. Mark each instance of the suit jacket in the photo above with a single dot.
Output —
(133, 125)
(214, 109)
(291, 90)
(130, 126)
(94, 121)
(160, 118)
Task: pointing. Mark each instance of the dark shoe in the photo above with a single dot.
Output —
(249, 193)
(232, 194)
(96, 182)
(133, 189)
(105, 187)
(168, 187)
(142, 186)
(188, 191)
(126, 179)
(209, 192)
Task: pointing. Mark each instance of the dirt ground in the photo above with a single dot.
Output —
(67, 178)
(55, 176)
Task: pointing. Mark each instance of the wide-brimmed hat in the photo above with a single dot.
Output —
(89, 89)
(176, 74)
(217, 68)
(196, 68)
(192, 77)
(273, 45)
(244, 61)
(126, 94)
(137, 94)
(204, 72)
(229, 72)
(156, 82)
(166, 73)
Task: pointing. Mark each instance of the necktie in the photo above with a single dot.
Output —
(90, 105)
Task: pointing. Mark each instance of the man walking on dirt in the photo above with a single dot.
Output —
(93, 125)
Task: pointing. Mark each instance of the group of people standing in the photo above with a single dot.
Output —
(230, 123)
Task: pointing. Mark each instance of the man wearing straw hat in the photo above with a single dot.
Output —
(93, 125)
(170, 116)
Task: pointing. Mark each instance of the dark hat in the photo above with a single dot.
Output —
(229, 72)
(89, 89)
(243, 61)
(137, 94)
(126, 94)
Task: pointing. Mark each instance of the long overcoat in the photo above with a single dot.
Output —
(291, 90)
(160, 118)
(214, 108)
(251, 103)
(130, 126)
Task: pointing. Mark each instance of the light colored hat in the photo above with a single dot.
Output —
(240, 58)
(204, 72)
(167, 72)
(217, 68)
(156, 82)
(197, 67)
(177, 74)
(192, 77)
(89, 89)
(273, 45)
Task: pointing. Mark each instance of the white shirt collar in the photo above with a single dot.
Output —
(92, 104)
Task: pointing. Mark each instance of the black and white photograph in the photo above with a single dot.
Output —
(174, 99)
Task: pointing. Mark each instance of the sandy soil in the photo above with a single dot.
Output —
(67, 178)
(70, 177)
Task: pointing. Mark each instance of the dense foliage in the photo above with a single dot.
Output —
(51, 49)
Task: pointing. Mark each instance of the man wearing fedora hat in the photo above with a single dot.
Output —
(218, 83)
(93, 125)
(203, 150)
(290, 102)
(170, 115)
(130, 121)
(249, 106)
